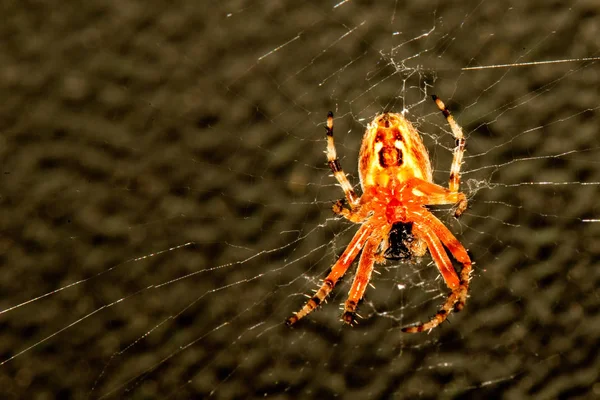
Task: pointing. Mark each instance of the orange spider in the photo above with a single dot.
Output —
(397, 183)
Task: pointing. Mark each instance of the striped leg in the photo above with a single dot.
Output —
(356, 215)
(336, 273)
(459, 150)
(336, 167)
(436, 235)
(361, 280)
(437, 194)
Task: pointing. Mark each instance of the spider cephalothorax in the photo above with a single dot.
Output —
(397, 185)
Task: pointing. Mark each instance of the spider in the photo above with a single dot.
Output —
(397, 185)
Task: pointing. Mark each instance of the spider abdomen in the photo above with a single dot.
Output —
(390, 156)
(392, 150)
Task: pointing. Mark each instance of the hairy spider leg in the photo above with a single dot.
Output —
(336, 167)
(338, 270)
(357, 215)
(459, 253)
(363, 274)
(439, 256)
(436, 194)
(436, 235)
(457, 158)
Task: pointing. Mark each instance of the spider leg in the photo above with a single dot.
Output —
(436, 235)
(361, 280)
(337, 271)
(336, 167)
(355, 215)
(438, 195)
(459, 150)
(459, 253)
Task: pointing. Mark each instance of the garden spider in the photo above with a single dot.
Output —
(397, 184)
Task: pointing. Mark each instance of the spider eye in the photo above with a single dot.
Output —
(379, 137)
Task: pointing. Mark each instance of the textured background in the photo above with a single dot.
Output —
(129, 128)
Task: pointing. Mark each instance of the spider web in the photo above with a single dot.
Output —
(166, 200)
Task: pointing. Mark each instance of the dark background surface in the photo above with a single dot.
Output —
(128, 129)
